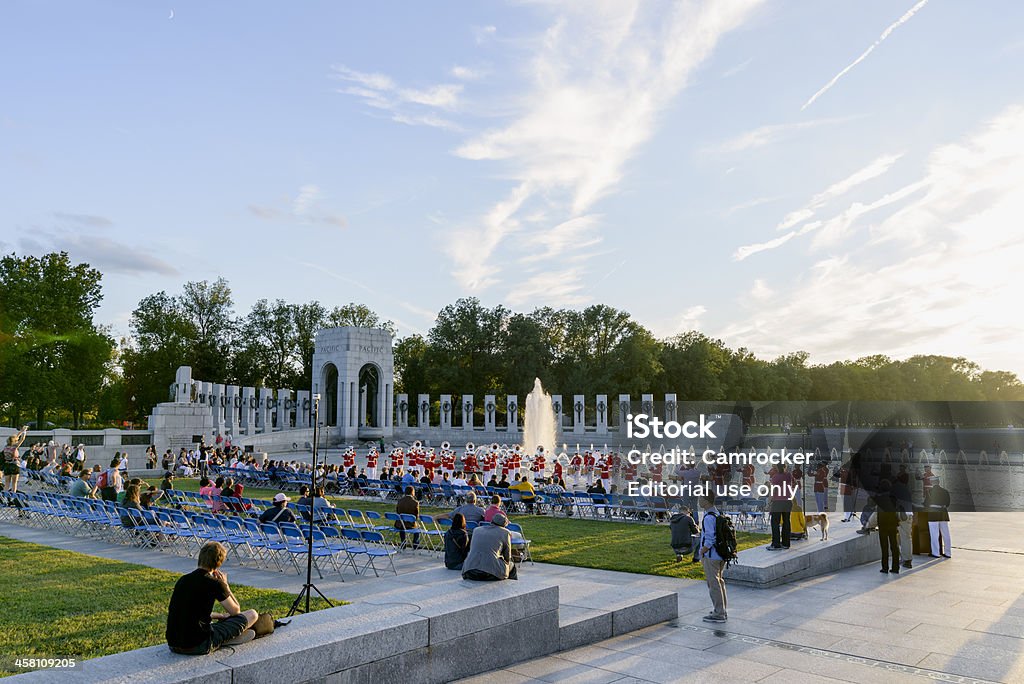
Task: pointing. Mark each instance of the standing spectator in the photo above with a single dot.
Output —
(12, 460)
(151, 457)
(936, 504)
(781, 507)
(110, 483)
(821, 487)
(456, 543)
(905, 509)
(888, 526)
(712, 561)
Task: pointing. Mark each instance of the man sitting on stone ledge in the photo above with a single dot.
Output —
(490, 553)
(192, 627)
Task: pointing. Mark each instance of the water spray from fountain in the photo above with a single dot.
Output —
(539, 425)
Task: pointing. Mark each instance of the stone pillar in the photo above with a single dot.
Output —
(389, 407)
(602, 414)
(423, 411)
(403, 411)
(559, 409)
(303, 404)
(218, 409)
(624, 410)
(231, 402)
(512, 412)
(283, 410)
(183, 385)
(262, 409)
(579, 413)
(467, 412)
(248, 422)
(647, 404)
(490, 412)
(447, 409)
(353, 407)
(671, 407)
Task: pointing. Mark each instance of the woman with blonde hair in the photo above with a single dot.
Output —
(12, 460)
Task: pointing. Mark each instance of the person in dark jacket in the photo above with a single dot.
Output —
(683, 528)
(887, 511)
(936, 504)
(456, 543)
(408, 505)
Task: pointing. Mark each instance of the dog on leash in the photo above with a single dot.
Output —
(819, 520)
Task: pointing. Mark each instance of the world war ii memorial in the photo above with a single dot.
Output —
(511, 342)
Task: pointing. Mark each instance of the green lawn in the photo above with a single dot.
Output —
(627, 547)
(61, 603)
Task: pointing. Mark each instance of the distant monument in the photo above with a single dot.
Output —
(354, 373)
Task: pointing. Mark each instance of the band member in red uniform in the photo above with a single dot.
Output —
(821, 487)
(371, 464)
(606, 473)
(748, 475)
(558, 470)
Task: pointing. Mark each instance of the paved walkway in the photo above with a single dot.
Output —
(957, 620)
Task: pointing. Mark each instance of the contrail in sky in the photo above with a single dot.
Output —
(885, 34)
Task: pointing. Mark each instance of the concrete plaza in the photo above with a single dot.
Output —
(955, 620)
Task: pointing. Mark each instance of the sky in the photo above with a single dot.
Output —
(842, 178)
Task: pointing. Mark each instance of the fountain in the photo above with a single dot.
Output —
(539, 425)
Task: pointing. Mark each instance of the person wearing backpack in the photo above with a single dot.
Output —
(712, 559)
(109, 482)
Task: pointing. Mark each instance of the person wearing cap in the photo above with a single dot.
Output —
(279, 512)
(490, 553)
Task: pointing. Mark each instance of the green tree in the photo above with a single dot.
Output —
(52, 355)
(308, 318)
(207, 309)
(411, 369)
(268, 345)
(358, 315)
(161, 341)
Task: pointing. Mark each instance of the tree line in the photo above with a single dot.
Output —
(57, 364)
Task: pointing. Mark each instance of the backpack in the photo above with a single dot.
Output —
(725, 539)
(101, 481)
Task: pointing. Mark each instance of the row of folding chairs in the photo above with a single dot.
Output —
(247, 540)
(424, 533)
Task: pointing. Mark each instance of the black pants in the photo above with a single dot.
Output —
(780, 519)
(888, 539)
(481, 576)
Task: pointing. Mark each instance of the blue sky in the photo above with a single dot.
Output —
(842, 177)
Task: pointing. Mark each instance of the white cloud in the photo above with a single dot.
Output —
(414, 106)
(745, 251)
(600, 76)
(760, 291)
(769, 134)
(483, 33)
(304, 207)
(934, 276)
(885, 34)
(308, 194)
(464, 73)
(836, 226)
